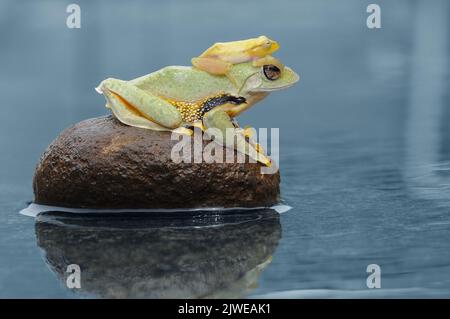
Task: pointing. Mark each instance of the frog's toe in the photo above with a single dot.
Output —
(199, 125)
(263, 159)
(259, 148)
(248, 131)
(183, 130)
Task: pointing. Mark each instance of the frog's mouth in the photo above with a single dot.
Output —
(271, 89)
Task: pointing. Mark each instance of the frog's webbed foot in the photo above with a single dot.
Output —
(220, 120)
(188, 129)
(211, 65)
(183, 130)
(249, 133)
(136, 107)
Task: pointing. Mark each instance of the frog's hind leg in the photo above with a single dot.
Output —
(136, 107)
(128, 115)
(211, 65)
(220, 120)
(214, 66)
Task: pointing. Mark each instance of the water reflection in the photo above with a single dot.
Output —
(195, 256)
(427, 165)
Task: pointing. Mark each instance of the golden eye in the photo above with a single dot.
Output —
(271, 72)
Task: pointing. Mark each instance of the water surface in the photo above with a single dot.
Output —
(365, 151)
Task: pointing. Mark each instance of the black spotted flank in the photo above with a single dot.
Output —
(211, 103)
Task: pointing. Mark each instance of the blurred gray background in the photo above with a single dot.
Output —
(365, 135)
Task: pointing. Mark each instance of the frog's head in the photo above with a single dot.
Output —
(263, 75)
(256, 79)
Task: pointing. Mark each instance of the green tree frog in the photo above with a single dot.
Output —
(176, 98)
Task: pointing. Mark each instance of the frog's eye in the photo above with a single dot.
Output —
(271, 72)
(267, 44)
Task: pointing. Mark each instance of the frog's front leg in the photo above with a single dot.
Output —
(248, 133)
(136, 107)
(220, 120)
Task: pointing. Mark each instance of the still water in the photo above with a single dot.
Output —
(364, 156)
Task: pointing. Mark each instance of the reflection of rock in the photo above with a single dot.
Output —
(102, 163)
(139, 257)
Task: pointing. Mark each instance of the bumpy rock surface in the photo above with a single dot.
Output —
(102, 163)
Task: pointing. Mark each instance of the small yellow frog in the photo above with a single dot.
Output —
(219, 58)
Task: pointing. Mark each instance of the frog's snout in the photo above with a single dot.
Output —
(98, 89)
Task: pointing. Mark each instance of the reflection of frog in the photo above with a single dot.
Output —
(174, 255)
(178, 96)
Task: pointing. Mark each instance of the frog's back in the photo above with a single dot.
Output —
(183, 83)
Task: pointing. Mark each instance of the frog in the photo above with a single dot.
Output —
(181, 98)
(219, 58)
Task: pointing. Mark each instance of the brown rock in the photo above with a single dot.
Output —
(102, 163)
